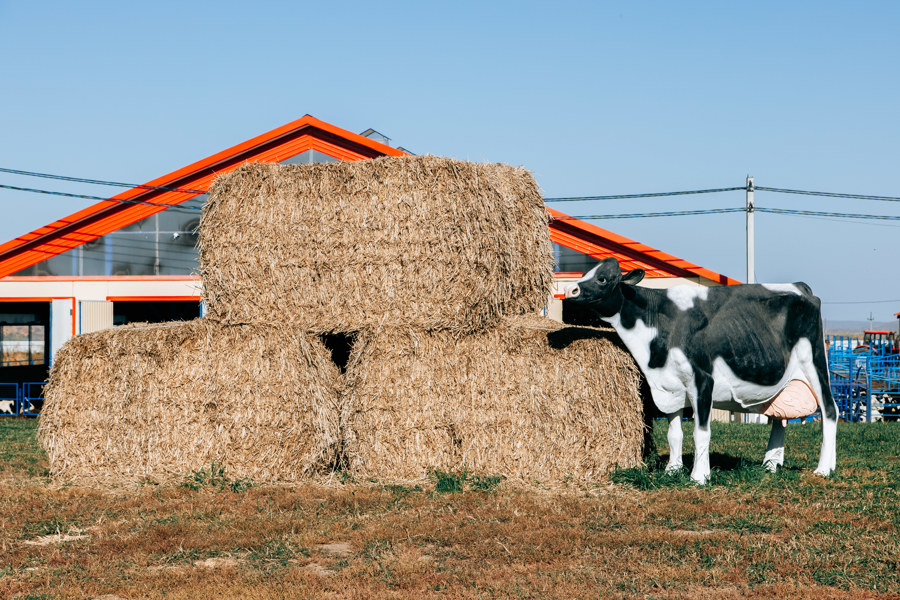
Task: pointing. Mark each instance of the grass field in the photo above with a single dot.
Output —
(645, 535)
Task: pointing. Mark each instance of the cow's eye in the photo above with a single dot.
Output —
(602, 279)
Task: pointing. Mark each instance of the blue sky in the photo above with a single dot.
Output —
(593, 98)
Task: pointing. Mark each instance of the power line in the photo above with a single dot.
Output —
(559, 199)
(813, 213)
(680, 213)
(866, 302)
(100, 181)
(828, 194)
(144, 202)
(651, 195)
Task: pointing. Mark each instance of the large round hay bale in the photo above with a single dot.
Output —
(163, 401)
(530, 399)
(425, 242)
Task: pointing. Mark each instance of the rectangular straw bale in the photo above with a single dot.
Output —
(530, 399)
(161, 401)
(425, 242)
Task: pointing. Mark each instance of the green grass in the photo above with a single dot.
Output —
(449, 482)
(215, 478)
(20, 454)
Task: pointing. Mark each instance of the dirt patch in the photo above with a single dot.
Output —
(336, 548)
(218, 562)
(56, 538)
(317, 569)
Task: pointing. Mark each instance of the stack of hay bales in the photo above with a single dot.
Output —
(424, 274)
(432, 271)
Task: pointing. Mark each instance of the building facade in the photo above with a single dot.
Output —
(134, 258)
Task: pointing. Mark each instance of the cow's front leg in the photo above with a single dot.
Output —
(700, 473)
(675, 437)
(775, 452)
(702, 414)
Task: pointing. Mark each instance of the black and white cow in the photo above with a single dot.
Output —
(734, 347)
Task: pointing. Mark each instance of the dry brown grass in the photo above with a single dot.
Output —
(790, 536)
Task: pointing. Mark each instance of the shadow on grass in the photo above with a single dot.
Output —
(725, 470)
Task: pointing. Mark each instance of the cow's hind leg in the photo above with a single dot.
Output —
(819, 377)
(675, 436)
(828, 454)
(775, 452)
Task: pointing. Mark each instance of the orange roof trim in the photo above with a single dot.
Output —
(306, 133)
(601, 243)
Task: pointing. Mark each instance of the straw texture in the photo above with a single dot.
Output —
(531, 399)
(424, 242)
(162, 401)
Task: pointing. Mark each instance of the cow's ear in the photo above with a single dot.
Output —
(633, 277)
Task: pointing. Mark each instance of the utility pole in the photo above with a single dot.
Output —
(751, 267)
(751, 273)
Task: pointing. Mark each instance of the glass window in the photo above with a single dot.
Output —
(184, 217)
(309, 157)
(178, 253)
(161, 244)
(131, 253)
(21, 345)
(572, 261)
(61, 264)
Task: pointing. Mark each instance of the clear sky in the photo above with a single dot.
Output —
(594, 98)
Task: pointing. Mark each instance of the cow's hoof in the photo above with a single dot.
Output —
(771, 466)
(673, 469)
(823, 472)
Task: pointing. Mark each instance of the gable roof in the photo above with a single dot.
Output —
(282, 143)
(601, 243)
(306, 133)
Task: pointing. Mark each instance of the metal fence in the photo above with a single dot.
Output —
(865, 380)
(21, 399)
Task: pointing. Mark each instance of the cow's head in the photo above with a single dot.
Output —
(602, 287)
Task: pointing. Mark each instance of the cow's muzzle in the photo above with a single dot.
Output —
(573, 291)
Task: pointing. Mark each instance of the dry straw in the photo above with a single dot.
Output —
(424, 242)
(162, 401)
(531, 399)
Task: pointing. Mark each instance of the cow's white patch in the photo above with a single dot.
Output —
(684, 295)
(774, 457)
(700, 472)
(674, 436)
(672, 385)
(573, 290)
(783, 288)
(588, 276)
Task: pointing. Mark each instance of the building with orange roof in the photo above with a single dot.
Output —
(133, 257)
